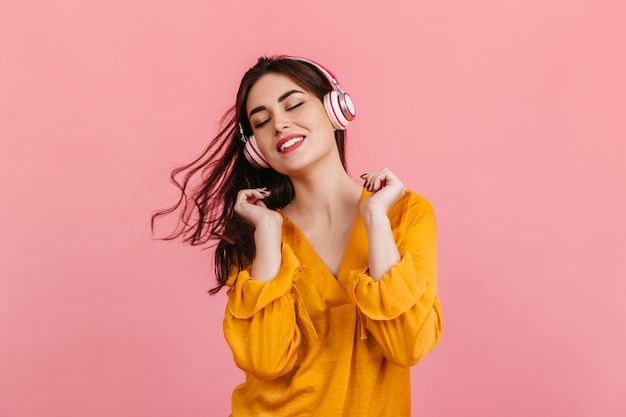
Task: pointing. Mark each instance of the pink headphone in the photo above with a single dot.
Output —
(339, 108)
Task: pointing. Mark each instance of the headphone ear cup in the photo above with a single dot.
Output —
(253, 154)
(340, 109)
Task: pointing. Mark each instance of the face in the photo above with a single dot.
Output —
(289, 123)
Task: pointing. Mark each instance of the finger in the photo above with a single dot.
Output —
(369, 180)
(251, 195)
(382, 179)
(375, 181)
(369, 177)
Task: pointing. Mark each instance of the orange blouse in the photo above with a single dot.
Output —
(312, 344)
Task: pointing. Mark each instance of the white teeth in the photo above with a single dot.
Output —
(290, 143)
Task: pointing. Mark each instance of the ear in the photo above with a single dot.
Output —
(253, 154)
(339, 108)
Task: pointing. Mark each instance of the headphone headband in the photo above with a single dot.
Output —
(333, 80)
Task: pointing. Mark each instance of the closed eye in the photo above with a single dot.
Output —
(295, 105)
(264, 122)
(261, 124)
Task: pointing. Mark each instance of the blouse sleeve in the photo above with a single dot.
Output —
(260, 320)
(402, 310)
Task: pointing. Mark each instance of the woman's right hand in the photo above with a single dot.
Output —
(250, 207)
(267, 231)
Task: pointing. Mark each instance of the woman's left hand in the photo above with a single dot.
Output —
(387, 189)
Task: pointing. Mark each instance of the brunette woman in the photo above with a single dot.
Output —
(332, 284)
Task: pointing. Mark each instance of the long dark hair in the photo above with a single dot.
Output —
(209, 184)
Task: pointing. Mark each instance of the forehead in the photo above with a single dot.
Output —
(269, 88)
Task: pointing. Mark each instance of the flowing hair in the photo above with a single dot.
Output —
(209, 185)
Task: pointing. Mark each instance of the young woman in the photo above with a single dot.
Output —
(332, 284)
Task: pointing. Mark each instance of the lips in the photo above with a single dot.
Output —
(288, 141)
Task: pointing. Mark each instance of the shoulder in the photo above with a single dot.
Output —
(412, 202)
(411, 208)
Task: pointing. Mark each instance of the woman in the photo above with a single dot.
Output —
(332, 284)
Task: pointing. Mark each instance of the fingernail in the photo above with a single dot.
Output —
(365, 184)
(362, 175)
(264, 193)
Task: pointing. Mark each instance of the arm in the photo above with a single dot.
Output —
(382, 251)
(398, 300)
(260, 318)
(267, 232)
(402, 311)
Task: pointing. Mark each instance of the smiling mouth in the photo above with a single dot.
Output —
(288, 144)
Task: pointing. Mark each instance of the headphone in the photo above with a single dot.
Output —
(339, 108)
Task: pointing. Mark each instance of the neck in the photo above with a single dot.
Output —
(323, 193)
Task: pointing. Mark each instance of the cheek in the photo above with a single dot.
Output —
(322, 120)
(264, 142)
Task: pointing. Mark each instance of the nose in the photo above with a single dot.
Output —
(281, 122)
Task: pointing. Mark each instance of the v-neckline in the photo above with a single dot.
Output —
(356, 226)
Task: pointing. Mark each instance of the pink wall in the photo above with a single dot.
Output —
(508, 115)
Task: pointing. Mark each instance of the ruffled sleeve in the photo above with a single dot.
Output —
(393, 295)
(248, 296)
(402, 310)
(260, 323)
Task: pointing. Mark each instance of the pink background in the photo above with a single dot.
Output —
(508, 115)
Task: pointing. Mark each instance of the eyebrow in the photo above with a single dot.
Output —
(280, 100)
